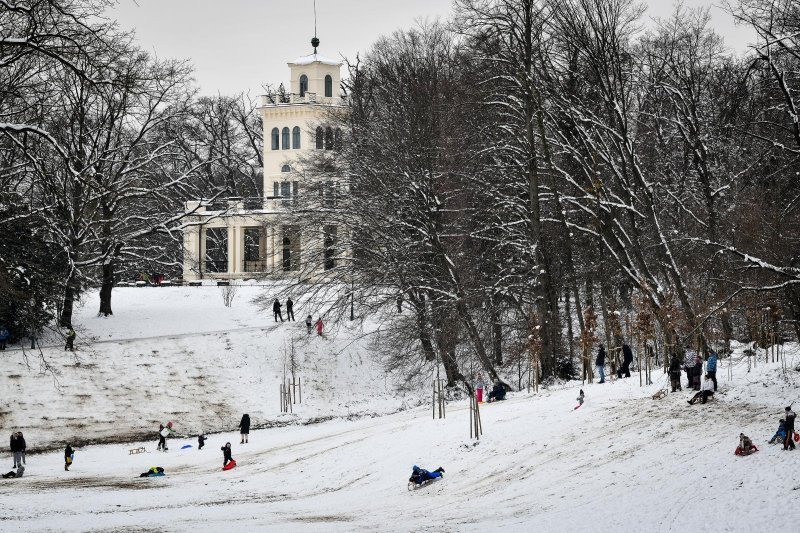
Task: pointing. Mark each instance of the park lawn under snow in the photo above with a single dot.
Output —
(622, 462)
(178, 354)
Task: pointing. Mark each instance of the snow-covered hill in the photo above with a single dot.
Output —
(177, 353)
(623, 462)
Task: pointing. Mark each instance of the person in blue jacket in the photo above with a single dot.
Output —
(711, 368)
(420, 475)
(779, 435)
(4, 334)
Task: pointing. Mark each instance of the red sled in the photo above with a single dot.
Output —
(230, 465)
(739, 450)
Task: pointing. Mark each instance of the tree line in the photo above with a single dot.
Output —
(533, 177)
(100, 146)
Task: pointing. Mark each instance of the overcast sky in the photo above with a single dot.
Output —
(237, 45)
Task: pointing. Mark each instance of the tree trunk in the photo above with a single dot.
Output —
(105, 289)
(497, 333)
(65, 320)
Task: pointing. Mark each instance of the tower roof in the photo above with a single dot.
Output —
(313, 58)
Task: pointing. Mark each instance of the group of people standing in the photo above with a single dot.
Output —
(319, 325)
(704, 384)
(624, 369)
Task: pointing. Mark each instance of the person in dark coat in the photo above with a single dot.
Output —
(17, 447)
(276, 310)
(698, 371)
(289, 309)
(70, 345)
(627, 359)
(675, 372)
(309, 324)
(244, 428)
(600, 363)
(498, 392)
(227, 454)
(420, 475)
(201, 441)
(4, 334)
(788, 443)
(68, 456)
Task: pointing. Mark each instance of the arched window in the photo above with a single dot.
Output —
(337, 139)
(320, 140)
(285, 138)
(286, 168)
(329, 138)
(275, 138)
(287, 254)
(303, 85)
(328, 86)
(296, 137)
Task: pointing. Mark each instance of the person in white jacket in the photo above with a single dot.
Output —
(706, 391)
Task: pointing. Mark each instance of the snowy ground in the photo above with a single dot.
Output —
(177, 353)
(623, 462)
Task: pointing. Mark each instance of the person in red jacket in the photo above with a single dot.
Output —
(319, 325)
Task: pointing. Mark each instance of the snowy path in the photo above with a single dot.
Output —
(623, 462)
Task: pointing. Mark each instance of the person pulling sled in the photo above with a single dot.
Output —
(421, 477)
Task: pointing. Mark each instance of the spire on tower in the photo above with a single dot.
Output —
(314, 40)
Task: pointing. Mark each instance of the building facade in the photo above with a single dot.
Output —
(245, 240)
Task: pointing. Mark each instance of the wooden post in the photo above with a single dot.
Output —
(475, 426)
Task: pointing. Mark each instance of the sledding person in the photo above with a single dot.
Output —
(320, 326)
(289, 309)
(309, 324)
(627, 359)
(69, 455)
(675, 372)
(779, 435)
(70, 345)
(4, 334)
(746, 446)
(227, 454)
(155, 471)
(244, 428)
(420, 475)
(711, 367)
(276, 310)
(788, 441)
(600, 363)
(706, 392)
(498, 392)
(580, 399)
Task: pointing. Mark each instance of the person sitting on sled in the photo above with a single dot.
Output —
(580, 398)
(706, 392)
(746, 446)
(155, 471)
(227, 454)
(498, 392)
(780, 435)
(420, 475)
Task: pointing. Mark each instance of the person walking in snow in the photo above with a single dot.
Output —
(70, 345)
(4, 334)
(201, 441)
(600, 363)
(320, 326)
(227, 454)
(276, 310)
(711, 368)
(627, 359)
(704, 394)
(163, 432)
(289, 309)
(69, 455)
(675, 372)
(244, 428)
(788, 442)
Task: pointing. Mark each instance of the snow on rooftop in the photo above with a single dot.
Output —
(313, 58)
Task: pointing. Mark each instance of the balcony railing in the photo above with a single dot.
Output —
(255, 265)
(276, 99)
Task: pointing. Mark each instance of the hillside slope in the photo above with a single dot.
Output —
(177, 353)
